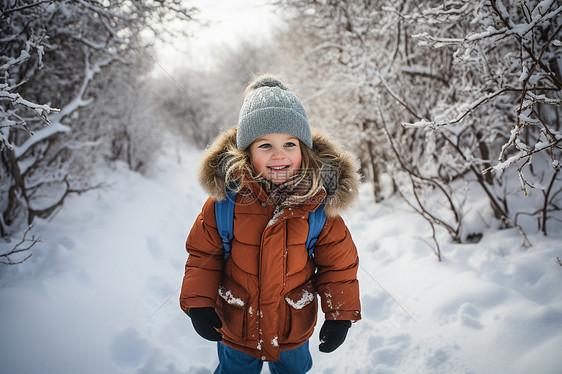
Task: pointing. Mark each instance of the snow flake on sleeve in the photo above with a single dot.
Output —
(330, 304)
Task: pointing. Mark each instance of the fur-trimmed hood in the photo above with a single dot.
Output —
(341, 181)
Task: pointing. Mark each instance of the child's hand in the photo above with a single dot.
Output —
(332, 334)
(206, 321)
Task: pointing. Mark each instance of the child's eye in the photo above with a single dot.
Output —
(265, 146)
(290, 144)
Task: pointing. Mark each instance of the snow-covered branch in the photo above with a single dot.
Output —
(457, 113)
(41, 110)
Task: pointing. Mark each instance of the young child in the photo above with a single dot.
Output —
(260, 304)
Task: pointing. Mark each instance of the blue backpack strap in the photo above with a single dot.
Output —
(316, 220)
(224, 213)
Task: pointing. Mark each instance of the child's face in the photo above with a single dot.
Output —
(277, 157)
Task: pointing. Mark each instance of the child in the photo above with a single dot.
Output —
(260, 304)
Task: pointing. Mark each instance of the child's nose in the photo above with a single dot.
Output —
(278, 156)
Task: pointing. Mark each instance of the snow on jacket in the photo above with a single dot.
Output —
(265, 293)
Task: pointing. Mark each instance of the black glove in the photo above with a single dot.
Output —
(206, 321)
(332, 334)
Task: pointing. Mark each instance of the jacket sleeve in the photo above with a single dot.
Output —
(336, 257)
(204, 266)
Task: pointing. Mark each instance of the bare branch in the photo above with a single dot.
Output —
(19, 248)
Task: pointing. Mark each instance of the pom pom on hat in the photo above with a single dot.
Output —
(270, 108)
(268, 81)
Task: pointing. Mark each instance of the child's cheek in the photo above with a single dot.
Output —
(258, 163)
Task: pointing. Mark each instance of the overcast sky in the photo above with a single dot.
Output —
(229, 21)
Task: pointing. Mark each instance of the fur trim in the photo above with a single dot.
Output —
(341, 178)
(343, 185)
(211, 178)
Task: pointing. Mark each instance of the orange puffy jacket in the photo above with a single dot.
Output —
(265, 293)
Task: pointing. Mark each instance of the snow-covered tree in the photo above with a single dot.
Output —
(53, 56)
(432, 93)
(507, 110)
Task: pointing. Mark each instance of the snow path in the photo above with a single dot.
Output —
(100, 294)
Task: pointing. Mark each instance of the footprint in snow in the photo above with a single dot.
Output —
(128, 349)
(469, 316)
(388, 351)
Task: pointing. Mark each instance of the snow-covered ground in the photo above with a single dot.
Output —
(100, 294)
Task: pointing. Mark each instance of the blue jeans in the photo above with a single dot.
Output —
(232, 361)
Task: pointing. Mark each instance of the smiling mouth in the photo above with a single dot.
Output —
(278, 168)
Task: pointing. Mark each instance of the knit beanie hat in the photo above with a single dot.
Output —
(270, 108)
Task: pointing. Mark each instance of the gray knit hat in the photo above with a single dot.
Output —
(270, 108)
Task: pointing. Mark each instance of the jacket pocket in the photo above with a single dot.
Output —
(231, 308)
(300, 313)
